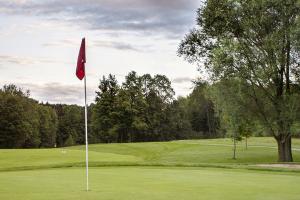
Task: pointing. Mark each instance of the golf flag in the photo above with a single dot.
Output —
(80, 70)
(80, 73)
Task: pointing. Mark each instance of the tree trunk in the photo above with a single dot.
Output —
(284, 149)
(234, 148)
(246, 142)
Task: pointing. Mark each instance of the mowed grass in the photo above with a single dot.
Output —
(187, 169)
(185, 152)
(216, 152)
(149, 183)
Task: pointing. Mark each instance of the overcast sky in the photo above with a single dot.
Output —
(40, 40)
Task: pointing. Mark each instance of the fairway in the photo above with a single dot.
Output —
(192, 169)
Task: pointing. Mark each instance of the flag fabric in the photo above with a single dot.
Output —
(80, 70)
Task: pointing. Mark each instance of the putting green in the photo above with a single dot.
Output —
(153, 183)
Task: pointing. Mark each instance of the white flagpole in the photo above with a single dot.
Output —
(86, 138)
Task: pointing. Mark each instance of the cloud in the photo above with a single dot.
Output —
(169, 17)
(15, 60)
(26, 60)
(65, 42)
(116, 45)
(182, 80)
(100, 43)
(59, 93)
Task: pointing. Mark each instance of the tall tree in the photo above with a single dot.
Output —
(48, 126)
(255, 41)
(176, 124)
(70, 125)
(158, 95)
(135, 111)
(104, 113)
(19, 120)
(133, 105)
(201, 111)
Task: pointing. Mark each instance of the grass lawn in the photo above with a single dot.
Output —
(150, 171)
(149, 183)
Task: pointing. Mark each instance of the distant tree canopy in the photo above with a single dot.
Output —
(201, 111)
(142, 108)
(48, 124)
(70, 130)
(24, 122)
(251, 50)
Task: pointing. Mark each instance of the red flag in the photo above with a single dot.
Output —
(80, 70)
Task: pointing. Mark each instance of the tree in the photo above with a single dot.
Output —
(19, 119)
(135, 111)
(70, 125)
(246, 130)
(201, 111)
(255, 41)
(234, 117)
(104, 113)
(133, 106)
(177, 123)
(48, 126)
(158, 95)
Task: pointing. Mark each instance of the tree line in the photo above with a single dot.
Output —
(24, 122)
(142, 108)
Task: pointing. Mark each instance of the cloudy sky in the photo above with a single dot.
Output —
(40, 40)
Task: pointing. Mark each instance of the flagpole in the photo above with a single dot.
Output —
(80, 73)
(86, 138)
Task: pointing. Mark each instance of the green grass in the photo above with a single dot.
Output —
(149, 183)
(190, 169)
(216, 152)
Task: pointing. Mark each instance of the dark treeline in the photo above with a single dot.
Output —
(142, 108)
(24, 122)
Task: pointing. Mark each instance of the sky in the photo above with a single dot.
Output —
(40, 40)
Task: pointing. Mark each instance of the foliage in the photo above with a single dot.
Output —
(137, 110)
(70, 125)
(26, 124)
(19, 120)
(48, 126)
(104, 113)
(255, 43)
(201, 111)
(143, 108)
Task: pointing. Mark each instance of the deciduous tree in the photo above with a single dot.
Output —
(255, 41)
